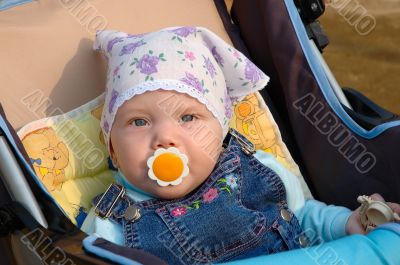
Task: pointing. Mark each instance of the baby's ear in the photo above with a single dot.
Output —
(114, 162)
(113, 156)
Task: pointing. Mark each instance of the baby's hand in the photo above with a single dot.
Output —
(354, 225)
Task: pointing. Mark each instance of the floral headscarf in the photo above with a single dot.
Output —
(190, 60)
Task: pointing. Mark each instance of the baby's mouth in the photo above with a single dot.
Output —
(168, 166)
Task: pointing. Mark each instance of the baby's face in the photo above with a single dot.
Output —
(165, 119)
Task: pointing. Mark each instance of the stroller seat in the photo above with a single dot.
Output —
(53, 83)
(83, 168)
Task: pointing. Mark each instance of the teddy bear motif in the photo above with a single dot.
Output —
(97, 114)
(251, 121)
(49, 157)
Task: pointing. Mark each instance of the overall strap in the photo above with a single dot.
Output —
(115, 204)
(247, 147)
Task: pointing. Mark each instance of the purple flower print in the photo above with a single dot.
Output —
(147, 64)
(217, 56)
(251, 72)
(116, 70)
(191, 80)
(184, 31)
(236, 54)
(129, 36)
(131, 47)
(114, 96)
(112, 42)
(106, 127)
(228, 111)
(228, 105)
(210, 67)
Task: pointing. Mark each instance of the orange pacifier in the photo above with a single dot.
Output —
(168, 166)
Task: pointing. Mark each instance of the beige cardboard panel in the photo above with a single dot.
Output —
(47, 65)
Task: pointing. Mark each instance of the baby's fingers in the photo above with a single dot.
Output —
(394, 206)
(377, 197)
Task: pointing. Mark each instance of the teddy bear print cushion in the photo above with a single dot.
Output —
(69, 157)
(71, 160)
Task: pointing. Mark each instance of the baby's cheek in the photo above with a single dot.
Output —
(138, 178)
(206, 146)
(202, 171)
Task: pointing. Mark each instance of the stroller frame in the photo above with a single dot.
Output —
(28, 207)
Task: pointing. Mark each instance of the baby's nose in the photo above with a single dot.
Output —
(166, 144)
(165, 138)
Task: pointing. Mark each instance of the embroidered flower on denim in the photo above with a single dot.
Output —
(178, 211)
(210, 195)
(227, 184)
(231, 181)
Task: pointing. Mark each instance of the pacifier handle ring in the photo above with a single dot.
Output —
(366, 202)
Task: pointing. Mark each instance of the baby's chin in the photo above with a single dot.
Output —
(171, 192)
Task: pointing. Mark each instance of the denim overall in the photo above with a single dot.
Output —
(240, 211)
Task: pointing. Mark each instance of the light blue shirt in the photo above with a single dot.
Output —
(321, 222)
(324, 225)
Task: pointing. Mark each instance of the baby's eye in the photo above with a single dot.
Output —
(140, 122)
(188, 118)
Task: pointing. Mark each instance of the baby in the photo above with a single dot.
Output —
(188, 190)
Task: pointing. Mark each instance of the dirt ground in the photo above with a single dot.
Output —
(364, 47)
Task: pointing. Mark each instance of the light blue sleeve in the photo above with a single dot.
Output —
(94, 225)
(105, 228)
(379, 247)
(322, 223)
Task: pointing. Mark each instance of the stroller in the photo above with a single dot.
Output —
(344, 144)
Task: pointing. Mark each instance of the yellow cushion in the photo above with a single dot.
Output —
(70, 158)
(64, 72)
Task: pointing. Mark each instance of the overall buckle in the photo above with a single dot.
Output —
(247, 146)
(108, 200)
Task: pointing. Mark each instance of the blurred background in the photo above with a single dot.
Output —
(364, 50)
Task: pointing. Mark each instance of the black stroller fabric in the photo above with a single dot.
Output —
(337, 163)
